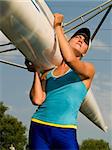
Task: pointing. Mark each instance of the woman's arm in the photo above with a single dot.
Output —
(37, 92)
(83, 68)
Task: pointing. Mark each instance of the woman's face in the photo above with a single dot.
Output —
(79, 44)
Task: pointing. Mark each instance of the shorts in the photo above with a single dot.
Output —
(44, 137)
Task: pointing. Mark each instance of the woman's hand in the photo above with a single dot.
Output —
(58, 19)
(30, 66)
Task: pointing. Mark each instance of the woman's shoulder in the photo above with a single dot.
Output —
(91, 68)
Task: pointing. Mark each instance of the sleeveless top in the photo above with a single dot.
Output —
(64, 95)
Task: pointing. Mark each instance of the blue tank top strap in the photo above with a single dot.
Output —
(49, 74)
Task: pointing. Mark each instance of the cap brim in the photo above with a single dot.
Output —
(84, 32)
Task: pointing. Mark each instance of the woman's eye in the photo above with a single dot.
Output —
(85, 40)
(77, 36)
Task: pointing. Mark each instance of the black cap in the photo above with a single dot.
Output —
(85, 32)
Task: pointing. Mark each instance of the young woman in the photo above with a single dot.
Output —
(60, 92)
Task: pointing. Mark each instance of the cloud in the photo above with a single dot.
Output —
(100, 45)
(102, 85)
(103, 79)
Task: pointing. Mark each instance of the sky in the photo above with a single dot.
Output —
(15, 83)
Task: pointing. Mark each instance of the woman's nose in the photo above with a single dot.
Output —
(80, 39)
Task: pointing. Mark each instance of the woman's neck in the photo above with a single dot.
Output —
(61, 69)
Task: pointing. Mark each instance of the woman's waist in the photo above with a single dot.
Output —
(54, 124)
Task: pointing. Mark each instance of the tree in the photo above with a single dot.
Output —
(12, 131)
(93, 144)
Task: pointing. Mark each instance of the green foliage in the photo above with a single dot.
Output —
(93, 144)
(3, 109)
(12, 131)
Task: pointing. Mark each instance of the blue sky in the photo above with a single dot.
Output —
(15, 83)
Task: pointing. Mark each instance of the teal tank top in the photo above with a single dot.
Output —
(64, 96)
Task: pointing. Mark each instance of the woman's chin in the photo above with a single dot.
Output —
(77, 53)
